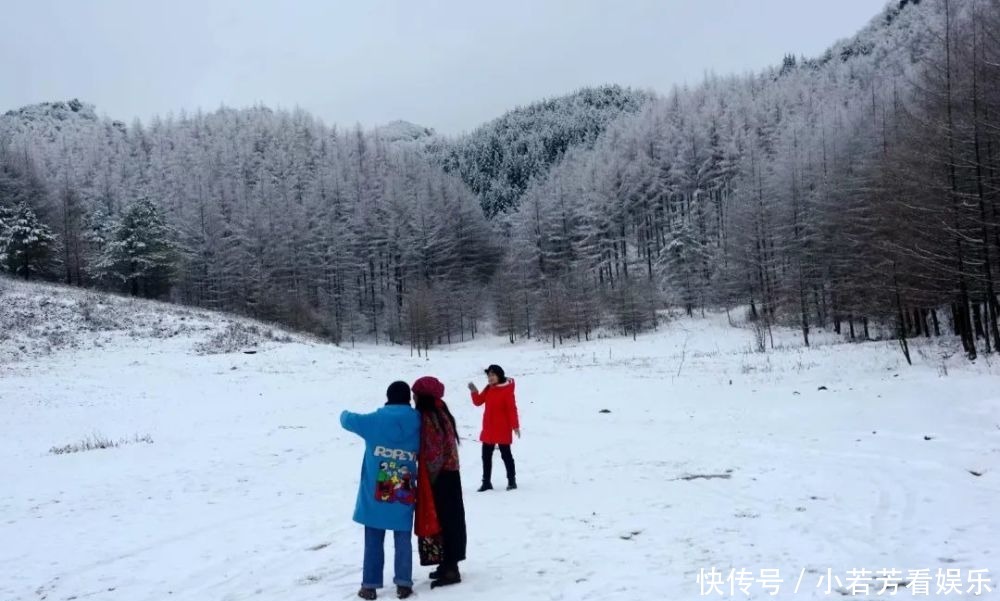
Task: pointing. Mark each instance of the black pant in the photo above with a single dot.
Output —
(508, 462)
(451, 514)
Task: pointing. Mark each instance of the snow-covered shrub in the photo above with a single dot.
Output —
(96, 314)
(97, 441)
(751, 364)
(235, 337)
(282, 337)
(58, 338)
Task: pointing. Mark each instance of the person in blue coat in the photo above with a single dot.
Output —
(387, 491)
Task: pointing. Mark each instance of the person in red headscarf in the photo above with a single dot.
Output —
(440, 526)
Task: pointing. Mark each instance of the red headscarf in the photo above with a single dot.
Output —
(428, 386)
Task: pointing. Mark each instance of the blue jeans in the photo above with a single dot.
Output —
(375, 558)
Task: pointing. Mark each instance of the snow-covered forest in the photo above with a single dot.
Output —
(855, 191)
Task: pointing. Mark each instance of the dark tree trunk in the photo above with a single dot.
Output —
(977, 321)
(900, 319)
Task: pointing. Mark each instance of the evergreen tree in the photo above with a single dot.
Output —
(140, 253)
(26, 243)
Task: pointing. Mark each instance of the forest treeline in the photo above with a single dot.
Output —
(855, 191)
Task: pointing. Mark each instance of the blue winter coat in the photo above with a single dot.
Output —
(387, 492)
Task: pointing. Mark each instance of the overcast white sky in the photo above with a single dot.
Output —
(449, 65)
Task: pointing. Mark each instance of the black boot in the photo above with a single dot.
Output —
(404, 592)
(367, 593)
(447, 576)
(512, 485)
(486, 486)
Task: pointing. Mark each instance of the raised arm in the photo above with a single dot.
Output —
(478, 398)
(359, 423)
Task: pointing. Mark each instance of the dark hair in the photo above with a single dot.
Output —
(496, 369)
(398, 393)
(428, 406)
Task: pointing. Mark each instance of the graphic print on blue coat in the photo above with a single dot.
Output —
(387, 491)
(394, 483)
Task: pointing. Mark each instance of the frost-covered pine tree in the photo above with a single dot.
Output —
(25, 242)
(97, 234)
(680, 265)
(140, 253)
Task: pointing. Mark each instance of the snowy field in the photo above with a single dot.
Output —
(234, 480)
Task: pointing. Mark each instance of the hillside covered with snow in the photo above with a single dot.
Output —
(642, 464)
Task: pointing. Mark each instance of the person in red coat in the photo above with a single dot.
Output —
(499, 421)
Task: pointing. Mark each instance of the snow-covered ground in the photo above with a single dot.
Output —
(812, 460)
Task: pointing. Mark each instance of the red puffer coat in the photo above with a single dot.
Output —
(500, 416)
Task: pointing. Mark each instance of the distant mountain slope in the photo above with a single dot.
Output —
(48, 121)
(501, 158)
(403, 131)
(57, 111)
